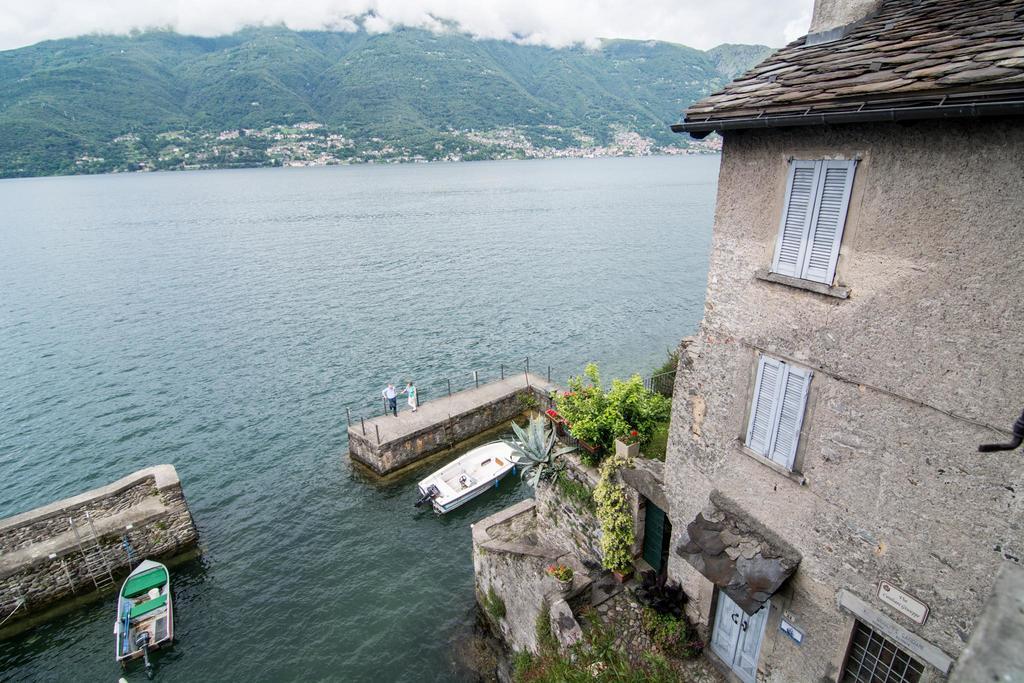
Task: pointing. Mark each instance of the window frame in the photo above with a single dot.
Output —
(811, 224)
(920, 668)
(786, 369)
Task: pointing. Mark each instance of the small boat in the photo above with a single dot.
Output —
(466, 477)
(144, 618)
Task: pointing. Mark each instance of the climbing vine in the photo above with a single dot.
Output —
(614, 515)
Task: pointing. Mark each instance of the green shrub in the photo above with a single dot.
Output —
(667, 632)
(532, 451)
(670, 364)
(494, 605)
(528, 400)
(596, 659)
(615, 517)
(656, 449)
(599, 417)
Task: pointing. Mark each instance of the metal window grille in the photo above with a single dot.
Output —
(875, 659)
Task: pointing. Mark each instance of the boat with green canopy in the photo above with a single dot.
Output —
(144, 617)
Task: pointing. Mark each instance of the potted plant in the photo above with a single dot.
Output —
(628, 446)
(562, 574)
(557, 421)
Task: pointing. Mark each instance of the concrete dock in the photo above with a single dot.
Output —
(387, 443)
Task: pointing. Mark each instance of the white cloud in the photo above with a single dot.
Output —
(557, 23)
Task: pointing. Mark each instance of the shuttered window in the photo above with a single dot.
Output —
(813, 217)
(777, 412)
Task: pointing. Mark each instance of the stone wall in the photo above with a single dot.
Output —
(41, 562)
(919, 365)
(509, 561)
(568, 522)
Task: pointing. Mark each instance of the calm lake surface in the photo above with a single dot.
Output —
(223, 320)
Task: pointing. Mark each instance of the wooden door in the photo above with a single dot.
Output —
(654, 536)
(737, 637)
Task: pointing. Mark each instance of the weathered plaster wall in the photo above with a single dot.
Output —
(916, 368)
(829, 14)
(151, 500)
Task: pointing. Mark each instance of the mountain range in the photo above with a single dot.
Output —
(263, 96)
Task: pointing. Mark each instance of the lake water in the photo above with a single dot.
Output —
(223, 320)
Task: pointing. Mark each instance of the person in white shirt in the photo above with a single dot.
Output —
(410, 389)
(391, 397)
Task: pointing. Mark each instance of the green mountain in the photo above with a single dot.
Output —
(164, 100)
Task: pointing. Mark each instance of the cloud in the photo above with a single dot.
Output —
(556, 23)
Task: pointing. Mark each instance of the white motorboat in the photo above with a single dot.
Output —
(466, 477)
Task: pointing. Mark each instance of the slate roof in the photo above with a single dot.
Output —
(914, 55)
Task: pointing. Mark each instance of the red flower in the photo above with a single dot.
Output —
(634, 433)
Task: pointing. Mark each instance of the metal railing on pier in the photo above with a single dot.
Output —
(431, 390)
(372, 406)
(662, 383)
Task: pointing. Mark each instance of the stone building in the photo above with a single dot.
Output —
(863, 333)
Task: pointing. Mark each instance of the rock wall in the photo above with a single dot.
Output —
(42, 562)
(568, 521)
(509, 563)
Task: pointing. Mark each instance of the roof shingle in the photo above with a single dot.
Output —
(966, 49)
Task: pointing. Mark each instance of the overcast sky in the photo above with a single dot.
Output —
(698, 23)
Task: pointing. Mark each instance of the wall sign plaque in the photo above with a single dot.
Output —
(792, 631)
(903, 602)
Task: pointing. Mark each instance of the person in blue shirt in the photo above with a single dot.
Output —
(391, 397)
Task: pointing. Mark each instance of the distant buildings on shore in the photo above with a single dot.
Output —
(313, 144)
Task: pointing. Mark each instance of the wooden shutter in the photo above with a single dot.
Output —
(813, 218)
(762, 413)
(777, 412)
(796, 217)
(790, 417)
(835, 180)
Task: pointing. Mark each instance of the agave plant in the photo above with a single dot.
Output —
(534, 450)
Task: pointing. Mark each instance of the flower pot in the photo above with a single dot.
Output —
(623, 576)
(629, 450)
(564, 586)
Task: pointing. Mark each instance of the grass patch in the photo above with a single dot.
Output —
(667, 632)
(577, 492)
(656, 449)
(596, 658)
(494, 605)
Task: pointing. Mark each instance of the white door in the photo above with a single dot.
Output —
(736, 638)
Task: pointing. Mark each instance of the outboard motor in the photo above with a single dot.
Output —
(142, 642)
(432, 493)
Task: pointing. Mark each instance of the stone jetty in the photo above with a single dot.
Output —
(83, 545)
(386, 444)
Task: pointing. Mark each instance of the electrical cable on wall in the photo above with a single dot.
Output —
(1018, 438)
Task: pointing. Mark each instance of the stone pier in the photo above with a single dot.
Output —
(386, 444)
(76, 547)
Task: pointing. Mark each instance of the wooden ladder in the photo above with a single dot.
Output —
(97, 565)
